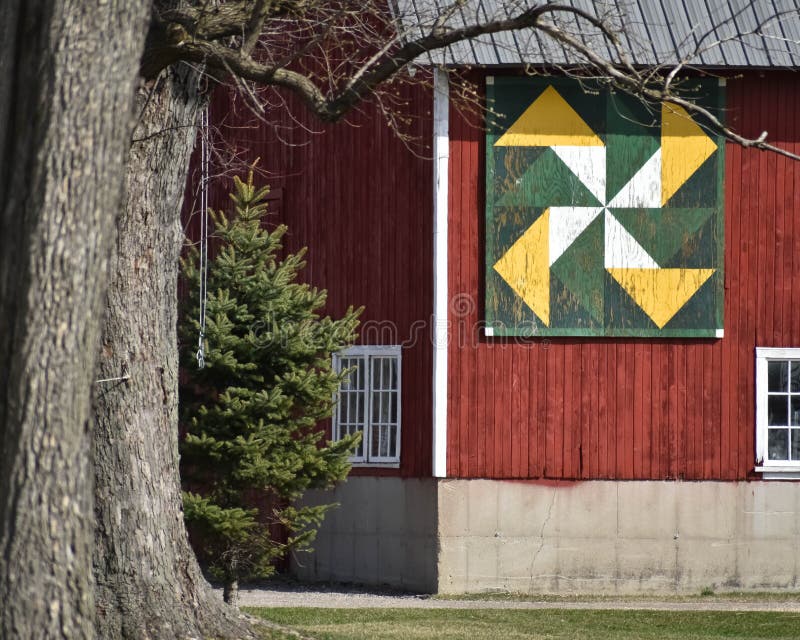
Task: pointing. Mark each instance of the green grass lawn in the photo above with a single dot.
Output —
(707, 595)
(550, 624)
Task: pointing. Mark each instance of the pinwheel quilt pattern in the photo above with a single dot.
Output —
(604, 214)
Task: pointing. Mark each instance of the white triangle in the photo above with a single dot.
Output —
(566, 224)
(588, 164)
(622, 250)
(643, 190)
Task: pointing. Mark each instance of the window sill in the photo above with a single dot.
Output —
(375, 465)
(779, 472)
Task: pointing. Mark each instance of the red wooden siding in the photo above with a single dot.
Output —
(623, 408)
(361, 202)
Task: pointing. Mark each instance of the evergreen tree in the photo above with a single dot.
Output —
(252, 444)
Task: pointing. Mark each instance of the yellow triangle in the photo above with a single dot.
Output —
(661, 292)
(526, 267)
(684, 147)
(547, 122)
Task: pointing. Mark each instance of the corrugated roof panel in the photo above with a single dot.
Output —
(681, 29)
(583, 31)
(596, 9)
(745, 21)
(507, 47)
(494, 41)
(765, 45)
(458, 21)
(540, 48)
(504, 40)
(519, 38)
(717, 41)
(636, 37)
(561, 54)
(791, 29)
(656, 23)
(719, 32)
(696, 14)
(405, 12)
(772, 29)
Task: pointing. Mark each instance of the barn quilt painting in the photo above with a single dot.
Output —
(604, 216)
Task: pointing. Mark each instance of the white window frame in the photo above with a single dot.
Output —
(367, 352)
(771, 469)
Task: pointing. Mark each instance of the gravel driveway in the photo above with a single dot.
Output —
(295, 595)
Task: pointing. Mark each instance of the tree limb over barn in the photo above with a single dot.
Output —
(356, 47)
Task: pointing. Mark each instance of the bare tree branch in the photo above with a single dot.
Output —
(335, 55)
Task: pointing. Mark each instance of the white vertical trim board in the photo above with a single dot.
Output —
(441, 161)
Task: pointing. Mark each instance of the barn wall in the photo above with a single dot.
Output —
(360, 199)
(627, 408)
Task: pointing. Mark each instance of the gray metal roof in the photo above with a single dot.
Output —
(705, 33)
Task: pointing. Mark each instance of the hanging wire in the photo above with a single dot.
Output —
(201, 355)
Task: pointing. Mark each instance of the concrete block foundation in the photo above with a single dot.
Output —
(382, 534)
(604, 537)
(594, 537)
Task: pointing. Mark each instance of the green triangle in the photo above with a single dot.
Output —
(566, 310)
(701, 311)
(664, 232)
(546, 182)
(701, 252)
(510, 165)
(580, 268)
(621, 312)
(508, 102)
(633, 135)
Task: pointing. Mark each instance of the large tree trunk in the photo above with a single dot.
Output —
(67, 73)
(148, 581)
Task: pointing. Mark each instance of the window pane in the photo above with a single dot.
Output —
(795, 437)
(377, 374)
(794, 416)
(389, 374)
(778, 444)
(342, 408)
(384, 442)
(392, 441)
(777, 374)
(795, 381)
(393, 413)
(352, 409)
(386, 399)
(359, 451)
(376, 408)
(374, 441)
(778, 410)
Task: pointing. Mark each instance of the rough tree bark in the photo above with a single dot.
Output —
(148, 581)
(67, 74)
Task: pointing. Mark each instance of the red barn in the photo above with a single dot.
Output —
(579, 366)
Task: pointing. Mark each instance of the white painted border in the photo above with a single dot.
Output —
(441, 161)
(776, 469)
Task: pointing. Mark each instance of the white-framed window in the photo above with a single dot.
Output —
(778, 412)
(369, 401)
